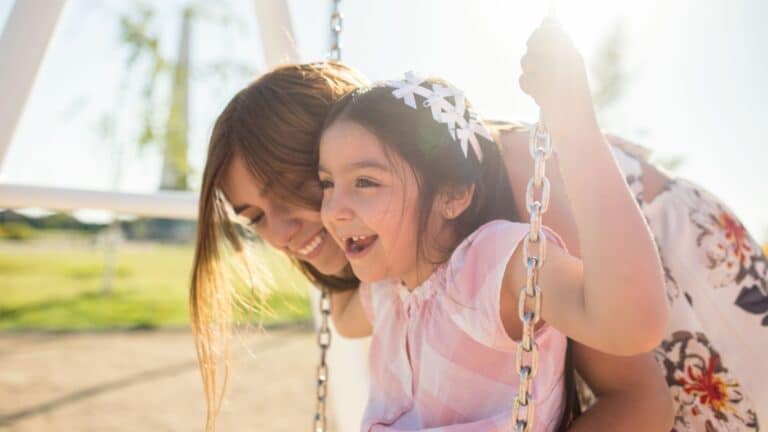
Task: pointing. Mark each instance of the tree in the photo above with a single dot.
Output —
(140, 33)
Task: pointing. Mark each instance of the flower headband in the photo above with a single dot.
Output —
(453, 115)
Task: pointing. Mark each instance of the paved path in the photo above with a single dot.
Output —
(149, 381)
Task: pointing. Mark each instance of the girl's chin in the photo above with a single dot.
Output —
(366, 276)
(332, 265)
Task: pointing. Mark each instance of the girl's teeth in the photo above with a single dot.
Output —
(358, 243)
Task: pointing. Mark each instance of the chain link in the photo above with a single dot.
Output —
(324, 333)
(337, 20)
(324, 342)
(527, 354)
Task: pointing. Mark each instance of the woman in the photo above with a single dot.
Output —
(262, 159)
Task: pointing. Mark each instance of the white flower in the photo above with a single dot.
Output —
(453, 115)
(436, 101)
(407, 88)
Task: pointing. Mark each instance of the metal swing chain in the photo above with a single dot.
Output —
(336, 26)
(527, 354)
(324, 332)
(324, 342)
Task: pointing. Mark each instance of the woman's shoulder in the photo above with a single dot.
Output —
(633, 158)
(511, 136)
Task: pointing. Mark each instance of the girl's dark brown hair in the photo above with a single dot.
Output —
(437, 161)
(273, 125)
(434, 156)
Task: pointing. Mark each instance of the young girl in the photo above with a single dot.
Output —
(413, 193)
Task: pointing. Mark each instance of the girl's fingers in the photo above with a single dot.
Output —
(530, 85)
(538, 63)
(524, 84)
(550, 21)
(548, 39)
(535, 37)
(543, 32)
(525, 63)
(534, 62)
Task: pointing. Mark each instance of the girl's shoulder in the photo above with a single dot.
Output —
(496, 238)
(482, 257)
(377, 297)
(478, 263)
(474, 280)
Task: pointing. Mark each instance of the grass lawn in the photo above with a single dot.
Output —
(57, 286)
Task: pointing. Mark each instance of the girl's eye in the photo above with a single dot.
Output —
(365, 183)
(326, 184)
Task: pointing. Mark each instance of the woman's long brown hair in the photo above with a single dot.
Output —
(273, 124)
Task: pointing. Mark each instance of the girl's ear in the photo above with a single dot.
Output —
(455, 199)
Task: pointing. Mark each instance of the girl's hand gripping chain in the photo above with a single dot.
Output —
(555, 77)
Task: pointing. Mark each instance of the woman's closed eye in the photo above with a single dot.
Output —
(256, 219)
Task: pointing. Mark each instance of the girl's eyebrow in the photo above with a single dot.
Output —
(372, 164)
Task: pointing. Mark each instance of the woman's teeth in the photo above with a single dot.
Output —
(313, 244)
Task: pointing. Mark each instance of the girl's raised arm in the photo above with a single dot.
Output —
(622, 286)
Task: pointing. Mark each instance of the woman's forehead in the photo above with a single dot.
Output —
(243, 186)
(263, 177)
(238, 178)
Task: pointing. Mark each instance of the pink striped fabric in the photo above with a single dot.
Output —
(440, 359)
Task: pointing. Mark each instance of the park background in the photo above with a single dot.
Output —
(128, 92)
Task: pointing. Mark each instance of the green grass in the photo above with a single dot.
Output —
(60, 288)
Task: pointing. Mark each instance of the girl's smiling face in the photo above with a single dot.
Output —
(370, 205)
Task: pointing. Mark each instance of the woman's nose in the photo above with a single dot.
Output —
(284, 226)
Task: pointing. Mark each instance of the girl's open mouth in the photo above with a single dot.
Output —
(358, 246)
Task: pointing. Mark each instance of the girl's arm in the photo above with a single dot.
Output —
(631, 393)
(566, 305)
(348, 315)
(623, 296)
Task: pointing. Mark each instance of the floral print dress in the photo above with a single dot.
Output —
(715, 353)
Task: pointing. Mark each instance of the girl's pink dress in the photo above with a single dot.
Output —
(440, 359)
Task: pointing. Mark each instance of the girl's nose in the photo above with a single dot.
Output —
(335, 208)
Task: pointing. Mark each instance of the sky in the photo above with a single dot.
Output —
(696, 87)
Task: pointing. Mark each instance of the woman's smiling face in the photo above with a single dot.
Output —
(293, 229)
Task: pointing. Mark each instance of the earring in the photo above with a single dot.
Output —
(448, 212)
